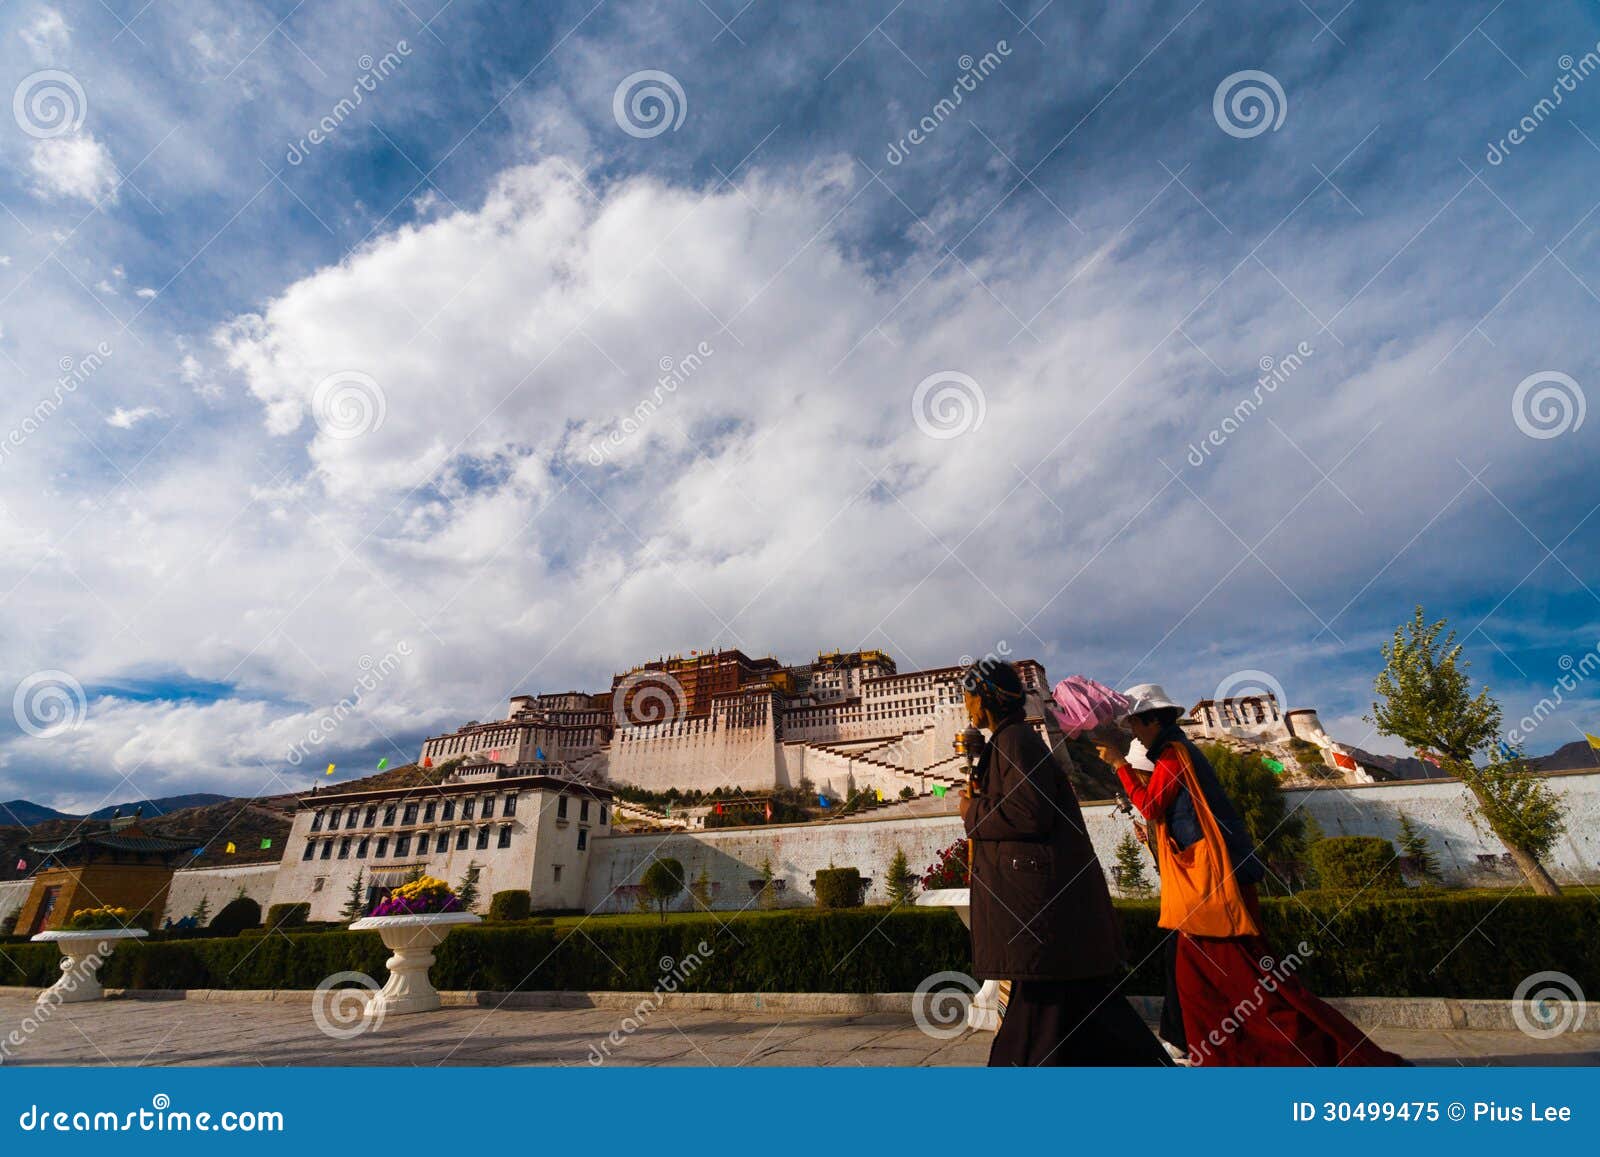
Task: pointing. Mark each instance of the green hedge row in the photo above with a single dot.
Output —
(1437, 946)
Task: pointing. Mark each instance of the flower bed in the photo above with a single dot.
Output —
(424, 896)
(1398, 946)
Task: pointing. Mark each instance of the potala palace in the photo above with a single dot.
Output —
(530, 802)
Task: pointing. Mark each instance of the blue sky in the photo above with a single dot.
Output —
(389, 398)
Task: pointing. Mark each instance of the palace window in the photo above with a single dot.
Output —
(442, 843)
(483, 838)
(402, 844)
(327, 850)
(311, 848)
(361, 848)
(505, 835)
(409, 816)
(603, 811)
(316, 885)
(462, 837)
(488, 807)
(316, 822)
(510, 808)
(466, 809)
(583, 810)
(449, 810)
(583, 838)
(352, 818)
(388, 814)
(382, 849)
(557, 869)
(372, 816)
(344, 848)
(561, 807)
(429, 811)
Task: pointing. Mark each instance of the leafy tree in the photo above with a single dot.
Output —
(1414, 846)
(902, 883)
(467, 890)
(355, 903)
(662, 882)
(201, 913)
(1278, 833)
(1128, 872)
(1428, 703)
(700, 889)
(767, 897)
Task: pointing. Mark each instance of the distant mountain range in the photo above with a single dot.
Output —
(26, 813)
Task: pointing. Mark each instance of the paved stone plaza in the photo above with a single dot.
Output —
(282, 1032)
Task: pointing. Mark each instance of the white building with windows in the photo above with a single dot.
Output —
(525, 827)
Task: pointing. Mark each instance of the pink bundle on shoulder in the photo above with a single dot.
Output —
(1082, 704)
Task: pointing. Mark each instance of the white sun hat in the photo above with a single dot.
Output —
(1148, 697)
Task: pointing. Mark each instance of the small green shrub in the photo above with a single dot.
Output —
(839, 888)
(288, 915)
(236, 915)
(1356, 863)
(514, 905)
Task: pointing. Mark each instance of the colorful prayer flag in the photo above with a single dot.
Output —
(1429, 757)
(769, 811)
(231, 848)
(330, 769)
(1276, 766)
(427, 761)
(495, 755)
(538, 753)
(823, 800)
(1594, 740)
(22, 865)
(1344, 761)
(880, 795)
(1505, 750)
(266, 842)
(939, 789)
(383, 763)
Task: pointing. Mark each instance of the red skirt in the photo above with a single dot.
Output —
(1243, 1005)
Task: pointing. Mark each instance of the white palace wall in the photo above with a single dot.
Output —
(13, 894)
(732, 857)
(217, 886)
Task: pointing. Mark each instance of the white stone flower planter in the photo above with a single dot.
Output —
(82, 954)
(984, 1012)
(412, 939)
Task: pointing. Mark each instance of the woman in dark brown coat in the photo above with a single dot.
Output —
(1041, 914)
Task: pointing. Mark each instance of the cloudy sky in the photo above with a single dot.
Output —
(333, 341)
